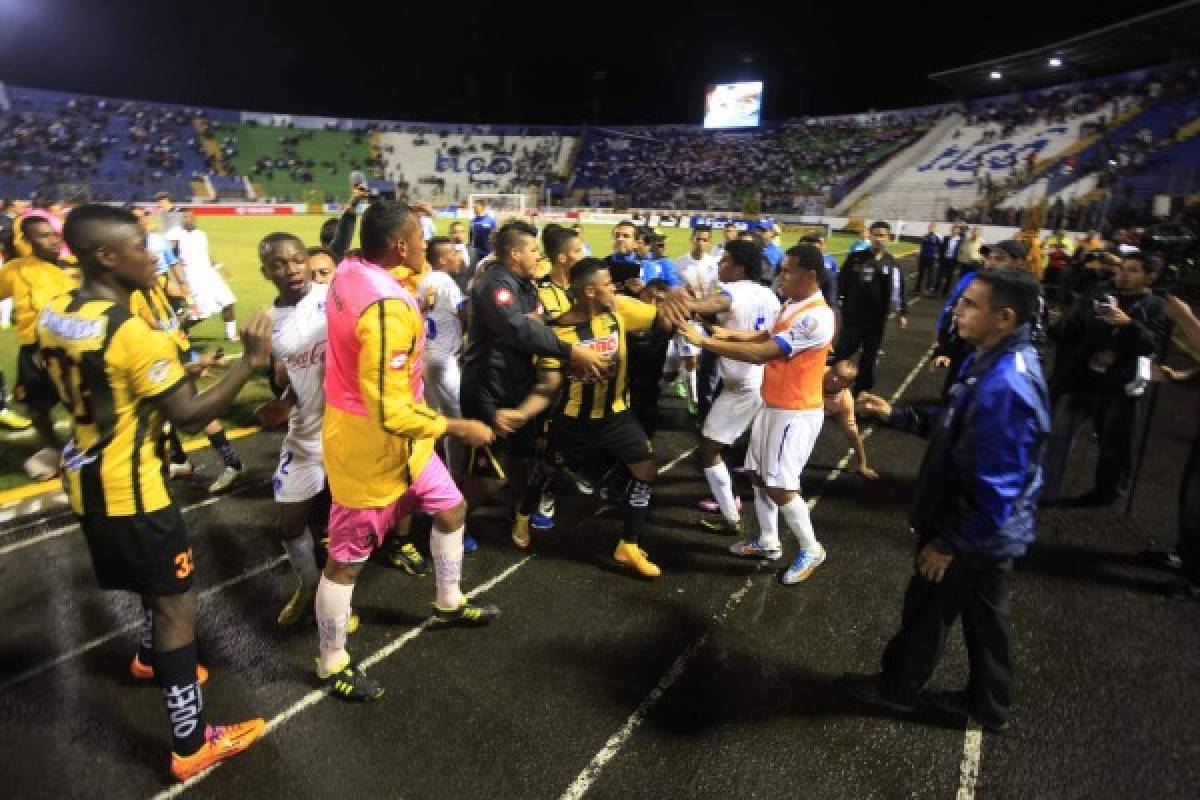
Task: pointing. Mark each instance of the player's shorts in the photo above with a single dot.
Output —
(442, 381)
(491, 461)
(781, 440)
(300, 474)
(35, 387)
(731, 414)
(355, 533)
(209, 291)
(575, 444)
(144, 553)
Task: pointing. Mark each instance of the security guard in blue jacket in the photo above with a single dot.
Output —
(974, 508)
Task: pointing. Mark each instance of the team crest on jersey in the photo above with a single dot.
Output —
(503, 297)
(159, 371)
(397, 359)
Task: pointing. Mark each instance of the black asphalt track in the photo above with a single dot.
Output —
(712, 681)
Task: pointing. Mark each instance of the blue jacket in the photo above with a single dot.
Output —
(931, 247)
(980, 478)
(945, 320)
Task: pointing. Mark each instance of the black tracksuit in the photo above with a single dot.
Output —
(866, 286)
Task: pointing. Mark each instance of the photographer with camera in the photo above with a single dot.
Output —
(1106, 345)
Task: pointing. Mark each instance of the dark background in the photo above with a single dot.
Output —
(522, 62)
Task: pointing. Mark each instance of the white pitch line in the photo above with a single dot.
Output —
(59, 531)
(968, 769)
(99, 640)
(584, 780)
(316, 695)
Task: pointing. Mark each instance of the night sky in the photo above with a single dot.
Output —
(522, 62)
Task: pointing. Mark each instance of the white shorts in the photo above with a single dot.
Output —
(210, 293)
(300, 474)
(731, 414)
(781, 441)
(442, 381)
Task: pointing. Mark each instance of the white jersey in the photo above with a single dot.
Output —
(299, 340)
(443, 328)
(193, 247)
(698, 275)
(754, 308)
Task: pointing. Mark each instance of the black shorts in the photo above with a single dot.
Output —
(35, 387)
(491, 461)
(574, 444)
(143, 553)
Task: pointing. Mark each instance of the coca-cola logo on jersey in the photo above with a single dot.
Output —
(306, 360)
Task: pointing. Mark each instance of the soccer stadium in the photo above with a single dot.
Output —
(840, 455)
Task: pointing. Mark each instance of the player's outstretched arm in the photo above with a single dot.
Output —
(544, 392)
(190, 410)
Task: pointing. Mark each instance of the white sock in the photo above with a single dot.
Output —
(691, 385)
(300, 554)
(446, 547)
(722, 488)
(768, 518)
(333, 615)
(795, 515)
(231, 330)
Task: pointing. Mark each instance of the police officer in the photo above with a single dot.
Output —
(867, 282)
(504, 335)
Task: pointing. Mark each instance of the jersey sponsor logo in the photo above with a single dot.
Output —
(397, 359)
(503, 297)
(159, 371)
(312, 358)
(71, 327)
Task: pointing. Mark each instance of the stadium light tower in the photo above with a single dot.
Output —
(1055, 62)
(996, 75)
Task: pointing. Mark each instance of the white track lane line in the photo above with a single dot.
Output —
(99, 640)
(316, 695)
(584, 781)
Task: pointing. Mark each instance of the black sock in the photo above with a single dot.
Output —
(146, 641)
(176, 674)
(637, 509)
(221, 444)
(178, 455)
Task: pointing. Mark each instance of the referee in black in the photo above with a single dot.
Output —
(504, 335)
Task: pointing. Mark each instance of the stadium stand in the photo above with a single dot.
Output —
(293, 164)
(671, 167)
(447, 167)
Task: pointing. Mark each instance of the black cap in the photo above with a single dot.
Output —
(1015, 249)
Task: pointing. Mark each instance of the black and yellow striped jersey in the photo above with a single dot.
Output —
(107, 365)
(592, 398)
(554, 298)
(155, 309)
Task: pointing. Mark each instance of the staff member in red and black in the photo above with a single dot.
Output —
(867, 282)
(504, 334)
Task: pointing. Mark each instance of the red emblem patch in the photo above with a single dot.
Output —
(504, 297)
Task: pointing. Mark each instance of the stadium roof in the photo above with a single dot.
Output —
(1157, 37)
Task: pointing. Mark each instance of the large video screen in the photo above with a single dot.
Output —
(733, 105)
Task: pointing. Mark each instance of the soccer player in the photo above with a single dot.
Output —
(154, 306)
(379, 436)
(458, 235)
(321, 264)
(504, 335)
(698, 274)
(118, 379)
(786, 425)
(299, 341)
(32, 281)
(743, 305)
(868, 282)
(592, 417)
(482, 226)
(208, 293)
(730, 233)
(443, 305)
(563, 247)
(655, 264)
